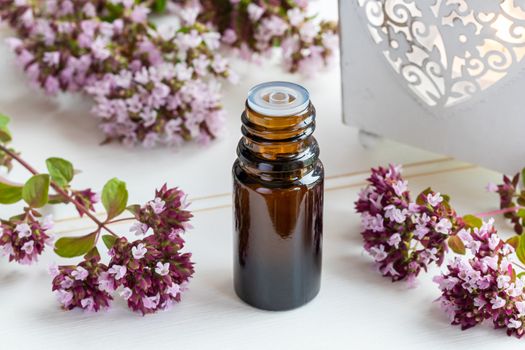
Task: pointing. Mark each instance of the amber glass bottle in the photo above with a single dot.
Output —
(278, 199)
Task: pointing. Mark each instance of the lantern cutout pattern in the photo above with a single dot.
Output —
(447, 52)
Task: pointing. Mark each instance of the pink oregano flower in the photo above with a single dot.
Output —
(484, 281)
(254, 29)
(24, 240)
(160, 85)
(149, 273)
(78, 286)
(484, 284)
(404, 237)
(512, 199)
(148, 88)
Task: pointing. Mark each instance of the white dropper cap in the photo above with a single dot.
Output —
(278, 99)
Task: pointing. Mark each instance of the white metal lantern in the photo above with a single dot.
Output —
(446, 75)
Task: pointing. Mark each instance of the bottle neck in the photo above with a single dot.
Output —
(279, 147)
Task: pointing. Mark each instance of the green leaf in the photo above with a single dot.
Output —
(446, 201)
(5, 134)
(10, 193)
(472, 221)
(513, 241)
(35, 190)
(93, 253)
(421, 197)
(61, 171)
(114, 197)
(456, 244)
(523, 177)
(520, 251)
(521, 213)
(521, 274)
(114, 11)
(19, 217)
(57, 199)
(69, 247)
(159, 6)
(4, 120)
(109, 240)
(133, 209)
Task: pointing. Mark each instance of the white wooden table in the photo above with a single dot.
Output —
(356, 309)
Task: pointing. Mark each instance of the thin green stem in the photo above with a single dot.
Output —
(518, 265)
(120, 220)
(59, 190)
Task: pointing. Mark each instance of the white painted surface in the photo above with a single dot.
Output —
(356, 309)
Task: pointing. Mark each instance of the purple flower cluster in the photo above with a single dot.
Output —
(157, 85)
(78, 286)
(62, 46)
(144, 105)
(255, 27)
(87, 198)
(512, 198)
(402, 236)
(166, 214)
(23, 241)
(150, 86)
(150, 273)
(484, 284)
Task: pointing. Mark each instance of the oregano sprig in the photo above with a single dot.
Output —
(159, 84)
(483, 280)
(512, 199)
(405, 236)
(150, 272)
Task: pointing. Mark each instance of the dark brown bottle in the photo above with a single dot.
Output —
(278, 199)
